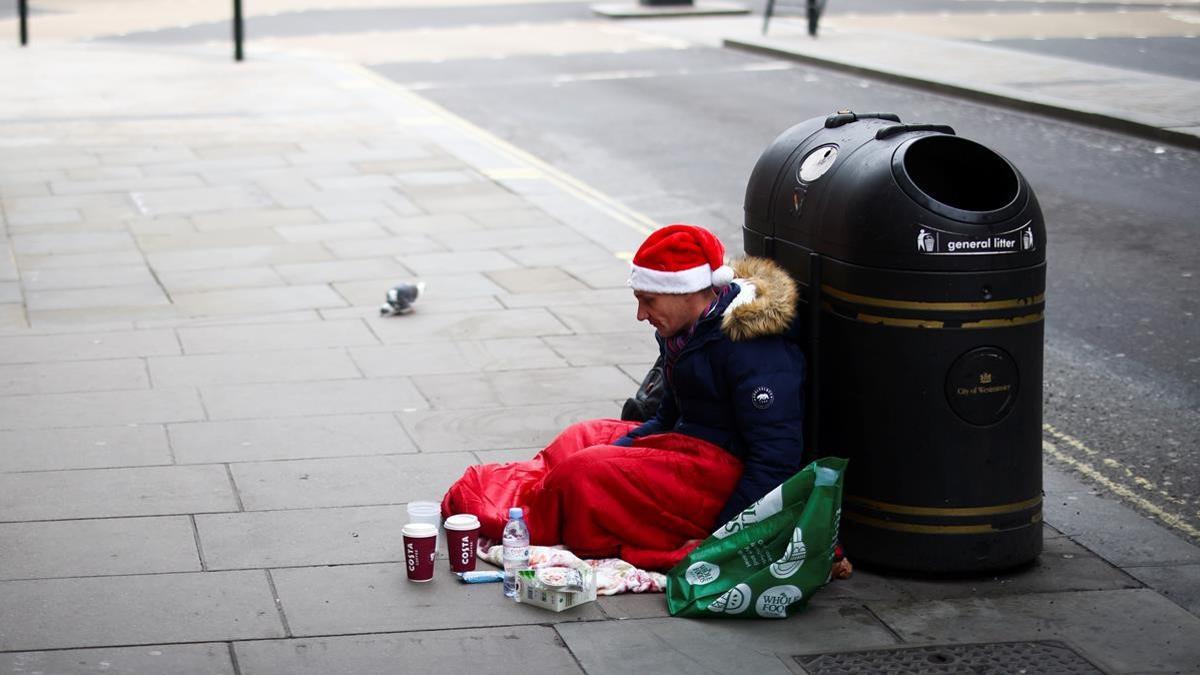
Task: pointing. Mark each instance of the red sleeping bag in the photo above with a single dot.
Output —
(647, 504)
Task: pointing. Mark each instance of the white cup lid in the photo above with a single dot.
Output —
(420, 530)
(461, 521)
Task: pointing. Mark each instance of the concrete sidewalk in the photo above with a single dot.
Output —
(208, 434)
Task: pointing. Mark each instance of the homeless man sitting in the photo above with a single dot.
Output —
(728, 429)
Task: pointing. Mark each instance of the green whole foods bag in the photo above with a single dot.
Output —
(771, 558)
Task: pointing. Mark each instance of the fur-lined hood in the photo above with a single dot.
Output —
(766, 303)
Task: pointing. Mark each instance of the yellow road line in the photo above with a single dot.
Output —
(635, 220)
(1169, 519)
(1142, 482)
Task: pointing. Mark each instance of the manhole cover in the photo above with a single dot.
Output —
(998, 658)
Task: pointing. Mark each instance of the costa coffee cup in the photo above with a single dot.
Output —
(419, 542)
(462, 536)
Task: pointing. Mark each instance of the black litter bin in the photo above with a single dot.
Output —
(922, 259)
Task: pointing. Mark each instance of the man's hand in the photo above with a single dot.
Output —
(624, 441)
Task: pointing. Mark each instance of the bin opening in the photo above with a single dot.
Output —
(961, 174)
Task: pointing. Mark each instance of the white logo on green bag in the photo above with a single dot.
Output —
(734, 600)
(792, 558)
(759, 511)
(701, 573)
(773, 602)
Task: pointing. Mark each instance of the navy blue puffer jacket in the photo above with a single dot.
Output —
(739, 383)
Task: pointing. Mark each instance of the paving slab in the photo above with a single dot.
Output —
(110, 546)
(210, 659)
(1178, 583)
(1130, 631)
(536, 280)
(139, 295)
(211, 280)
(49, 378)
(347, 481)
(240, 256)
(199, 200)
(110, 493)
(234, 219)
(634, 606)
(586, 297)
(299, 365)
(81, 260)
(87, 346)
(673, 645)
(342, 270)
(398, 245)
(132, 610)
(331, 231)
(122, 185)
(484, 200)
(427, 327)
(532, 650)
(459, 356)
(290, 438)
(379, 598)
(499, 427)
(1062, 566)
(303, 537)
(367, 297)
(84, 448)
(502, 456)
(78, 242)
(465, 261)
(299, 399)
(86, 277)
(510, 236)
(272, 336)
(615, 318)
(524, 217)
(186, 241)
(430, 223)
(605, 349)
(92, 409)
(519, 388)
(255, 300)
(442, 292)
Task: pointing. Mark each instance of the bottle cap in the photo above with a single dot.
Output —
(515, 512)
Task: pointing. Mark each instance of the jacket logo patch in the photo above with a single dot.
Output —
(762, 398)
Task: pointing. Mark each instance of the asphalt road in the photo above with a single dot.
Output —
(674, 134)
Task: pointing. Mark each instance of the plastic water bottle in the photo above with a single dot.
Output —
(516, 549)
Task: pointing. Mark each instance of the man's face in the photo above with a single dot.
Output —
(669, 313)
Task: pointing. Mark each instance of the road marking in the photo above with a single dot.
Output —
(631, 218)
(1087, 469)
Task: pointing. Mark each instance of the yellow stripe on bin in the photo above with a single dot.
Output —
(915, 528)
(965, 512)
(902, 323)
(929, 305)
(1002, 323)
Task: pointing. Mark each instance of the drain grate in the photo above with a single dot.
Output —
(990, 658)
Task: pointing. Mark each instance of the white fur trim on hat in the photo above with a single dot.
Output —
(722, 275)
(683, 281)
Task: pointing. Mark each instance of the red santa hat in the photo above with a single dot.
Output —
(679, 259)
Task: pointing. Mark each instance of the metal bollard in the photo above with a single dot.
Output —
(23, 11)
(237, 30)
